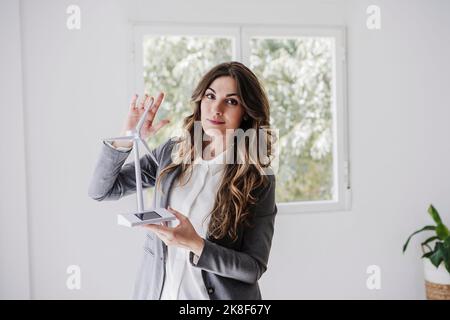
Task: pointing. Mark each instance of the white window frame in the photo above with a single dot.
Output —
(242, 33)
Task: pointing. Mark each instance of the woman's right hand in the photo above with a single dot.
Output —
(134, 114)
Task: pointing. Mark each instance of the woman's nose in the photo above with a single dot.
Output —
(216, 107)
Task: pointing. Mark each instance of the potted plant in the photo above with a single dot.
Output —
(436, 260)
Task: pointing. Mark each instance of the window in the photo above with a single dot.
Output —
(303, 72)
(172, 60)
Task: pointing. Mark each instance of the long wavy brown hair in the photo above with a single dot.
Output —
(240, 179)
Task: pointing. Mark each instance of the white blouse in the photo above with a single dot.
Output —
(195, 199)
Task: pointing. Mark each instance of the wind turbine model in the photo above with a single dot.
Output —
(135, 136)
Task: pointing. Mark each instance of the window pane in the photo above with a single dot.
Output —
(297, 74)
(174, 64)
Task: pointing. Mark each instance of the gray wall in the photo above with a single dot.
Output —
(62, 91)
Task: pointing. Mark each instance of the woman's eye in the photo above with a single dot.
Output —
(232, 102)
(209, 96)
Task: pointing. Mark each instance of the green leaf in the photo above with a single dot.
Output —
(409, 238)
(447, 243)
(438, 255)
(446, 253)
(425, 243)
(434, 214)
(427, 254)
(441, 230)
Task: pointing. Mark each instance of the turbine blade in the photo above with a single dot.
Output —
(148, 150)
(120, 138)
(144, 115)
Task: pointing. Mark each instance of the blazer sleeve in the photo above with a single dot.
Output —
(112, 180)
(250, 262)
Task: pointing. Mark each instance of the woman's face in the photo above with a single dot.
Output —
(221, 107)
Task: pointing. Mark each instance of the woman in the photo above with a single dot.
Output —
(219, 246)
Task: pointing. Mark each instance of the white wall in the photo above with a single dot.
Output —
(76, 90)
(14, 262)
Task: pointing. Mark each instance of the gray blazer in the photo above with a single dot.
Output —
(230, 270)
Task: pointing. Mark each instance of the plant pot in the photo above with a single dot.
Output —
(437, 281)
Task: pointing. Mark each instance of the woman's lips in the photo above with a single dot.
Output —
(216, 122)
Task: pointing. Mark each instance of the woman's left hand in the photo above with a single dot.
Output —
(183, 235)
